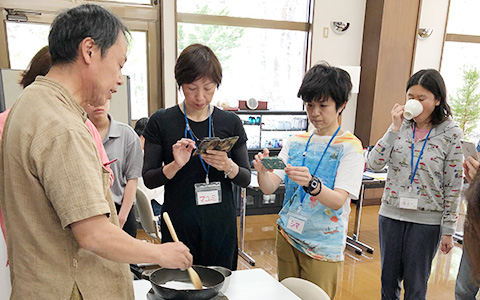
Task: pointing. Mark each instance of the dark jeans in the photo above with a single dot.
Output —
(157, 208)
(465, 289)
(130, 225)
(407, 250)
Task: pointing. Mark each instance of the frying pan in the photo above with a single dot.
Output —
(212, 280)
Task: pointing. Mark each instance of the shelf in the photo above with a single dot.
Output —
(270, 112)
(271, 128)
(296, 129)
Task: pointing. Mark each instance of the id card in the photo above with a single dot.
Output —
(296, 222)
(408, 202)
(208, 193)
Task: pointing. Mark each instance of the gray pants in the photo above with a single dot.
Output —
(465, 289)
(407, 250)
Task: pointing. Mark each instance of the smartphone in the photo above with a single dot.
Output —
(469, 149)
(272, 163)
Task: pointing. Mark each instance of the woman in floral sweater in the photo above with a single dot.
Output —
(422, 191)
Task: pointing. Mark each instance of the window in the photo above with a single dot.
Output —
(461, 49)
(261, 59)
(25, 39)
(136, 69)
(463, 17)
(281, 10)
(148, 2)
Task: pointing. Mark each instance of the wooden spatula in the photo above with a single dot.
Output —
(197, 283)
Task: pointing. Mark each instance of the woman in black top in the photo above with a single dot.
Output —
(193, 183)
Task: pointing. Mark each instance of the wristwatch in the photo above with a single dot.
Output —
(312, 185)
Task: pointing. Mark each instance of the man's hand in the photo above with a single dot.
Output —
(175, 255)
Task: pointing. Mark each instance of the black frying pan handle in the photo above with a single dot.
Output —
(136, 270)
(146, 274)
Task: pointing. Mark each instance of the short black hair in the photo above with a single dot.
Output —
(195, 62)
(87, 20)
(323, 81)
(431, 80)
(140, 126)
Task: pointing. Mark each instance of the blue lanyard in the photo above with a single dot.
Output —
(413, 172)
(321, 158)
(189, 130)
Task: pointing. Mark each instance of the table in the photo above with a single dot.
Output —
(253, 284)
(370, 181)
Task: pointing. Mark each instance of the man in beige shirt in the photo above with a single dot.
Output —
(64, 239)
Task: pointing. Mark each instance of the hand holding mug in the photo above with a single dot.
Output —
(397, 117)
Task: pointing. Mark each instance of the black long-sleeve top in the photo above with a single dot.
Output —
(209, 230)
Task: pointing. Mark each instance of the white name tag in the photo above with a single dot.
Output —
(408, 203)
(295, 224)
(208, 197)
(208, 193)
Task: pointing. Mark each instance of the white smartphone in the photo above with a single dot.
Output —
(469, 149)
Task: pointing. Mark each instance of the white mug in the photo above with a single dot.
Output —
(412, 109)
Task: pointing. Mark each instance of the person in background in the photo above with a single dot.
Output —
(420, 201)
(124, 148)
(324, 171)
(208, 228)
(51, 175)
(465, 286)
(155, 195)
(468, 278)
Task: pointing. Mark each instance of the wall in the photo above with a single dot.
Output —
(388, 51)
(433, 15)
(169, 43)
(339, 49)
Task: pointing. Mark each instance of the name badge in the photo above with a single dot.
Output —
(408, 203)
(296, 223)
(208, 193)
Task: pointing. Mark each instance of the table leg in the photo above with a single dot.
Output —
(353, 241)
(243, 206)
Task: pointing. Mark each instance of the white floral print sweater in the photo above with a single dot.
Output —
(437, 183)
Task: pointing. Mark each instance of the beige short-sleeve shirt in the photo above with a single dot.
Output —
(50, 177)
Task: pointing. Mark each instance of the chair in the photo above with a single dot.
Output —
(145, 213)
(305, 289)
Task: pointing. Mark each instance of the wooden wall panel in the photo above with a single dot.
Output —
(387, 58)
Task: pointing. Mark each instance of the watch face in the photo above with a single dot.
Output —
(314, 183)
(252, 103)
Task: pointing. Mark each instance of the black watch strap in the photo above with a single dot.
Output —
(312, 185)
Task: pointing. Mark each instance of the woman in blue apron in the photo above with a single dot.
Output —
(324, 171)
